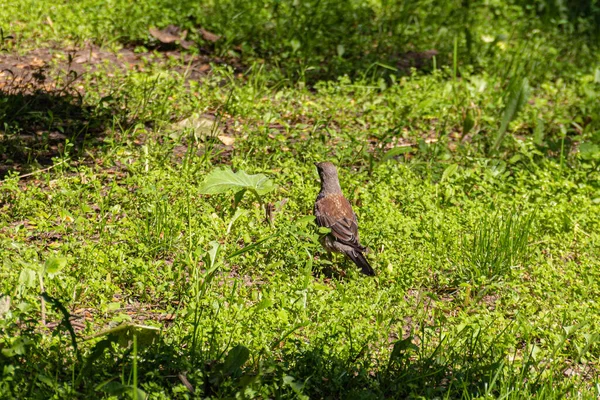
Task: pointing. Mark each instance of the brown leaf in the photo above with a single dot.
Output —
(226, 140)
(37, 62)
(81, 59)
(187, 44)
(162, 36)
(85, 57)
(170, 34)
(203, 125)
(209, 36)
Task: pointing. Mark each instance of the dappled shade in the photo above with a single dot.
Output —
(40, 121)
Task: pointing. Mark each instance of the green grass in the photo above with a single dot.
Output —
(475, 181)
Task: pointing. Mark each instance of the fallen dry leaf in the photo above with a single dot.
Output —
(171, 34)
(187, 44)
(203, 125)
(37, 62)
(165, 35)
(226, 140)
(209, 36)
(86, 57)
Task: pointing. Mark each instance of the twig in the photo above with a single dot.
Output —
(44, 169)
(183, 379)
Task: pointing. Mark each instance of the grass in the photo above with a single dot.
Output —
(499, 243)
(474, 178)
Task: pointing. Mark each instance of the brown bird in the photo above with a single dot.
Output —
(333, 211)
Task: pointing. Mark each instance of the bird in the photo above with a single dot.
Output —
(332, 210)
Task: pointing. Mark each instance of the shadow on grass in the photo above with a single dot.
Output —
(458, 367)
(321, 374)
(40, 122)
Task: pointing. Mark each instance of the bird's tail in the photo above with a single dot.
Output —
(359, 259)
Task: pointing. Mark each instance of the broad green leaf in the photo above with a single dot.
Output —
(323, 230)
(569, 330)
(222, 180)
(589, 151)
(235, 359)
(55, 264)
(320, 286)
(238, 213)
(291, 381)
(18, 347)
(449, 171)
(297, 387)
(401, 347)
(514, 159)
(468, 123)
(307, 219)
(113, 306)
(497, 167)
(295, 43)
(238, 197)
(123, 334)
(45, 379)
(27, 277)
(517, 97)
(264, 303)
(212, 253)
(539, 132)
(535, 352)
(396, 151)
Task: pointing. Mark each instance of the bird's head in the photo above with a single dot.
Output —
(326, 169)
(328, 175)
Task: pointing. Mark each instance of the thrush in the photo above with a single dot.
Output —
(333, 211)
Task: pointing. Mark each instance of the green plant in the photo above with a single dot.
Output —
(499, 243)
(517, 95)
(223, 180)
(160, 231)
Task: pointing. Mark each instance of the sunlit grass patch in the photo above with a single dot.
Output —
(498, 244)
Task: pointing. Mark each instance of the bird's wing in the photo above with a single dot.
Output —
(335, 212)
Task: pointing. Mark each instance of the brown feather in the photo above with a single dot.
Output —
(335, 212)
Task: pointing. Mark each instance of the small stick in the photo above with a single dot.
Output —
(183, 379)
(43, 170)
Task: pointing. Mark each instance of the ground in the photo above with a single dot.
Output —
(157, 185)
